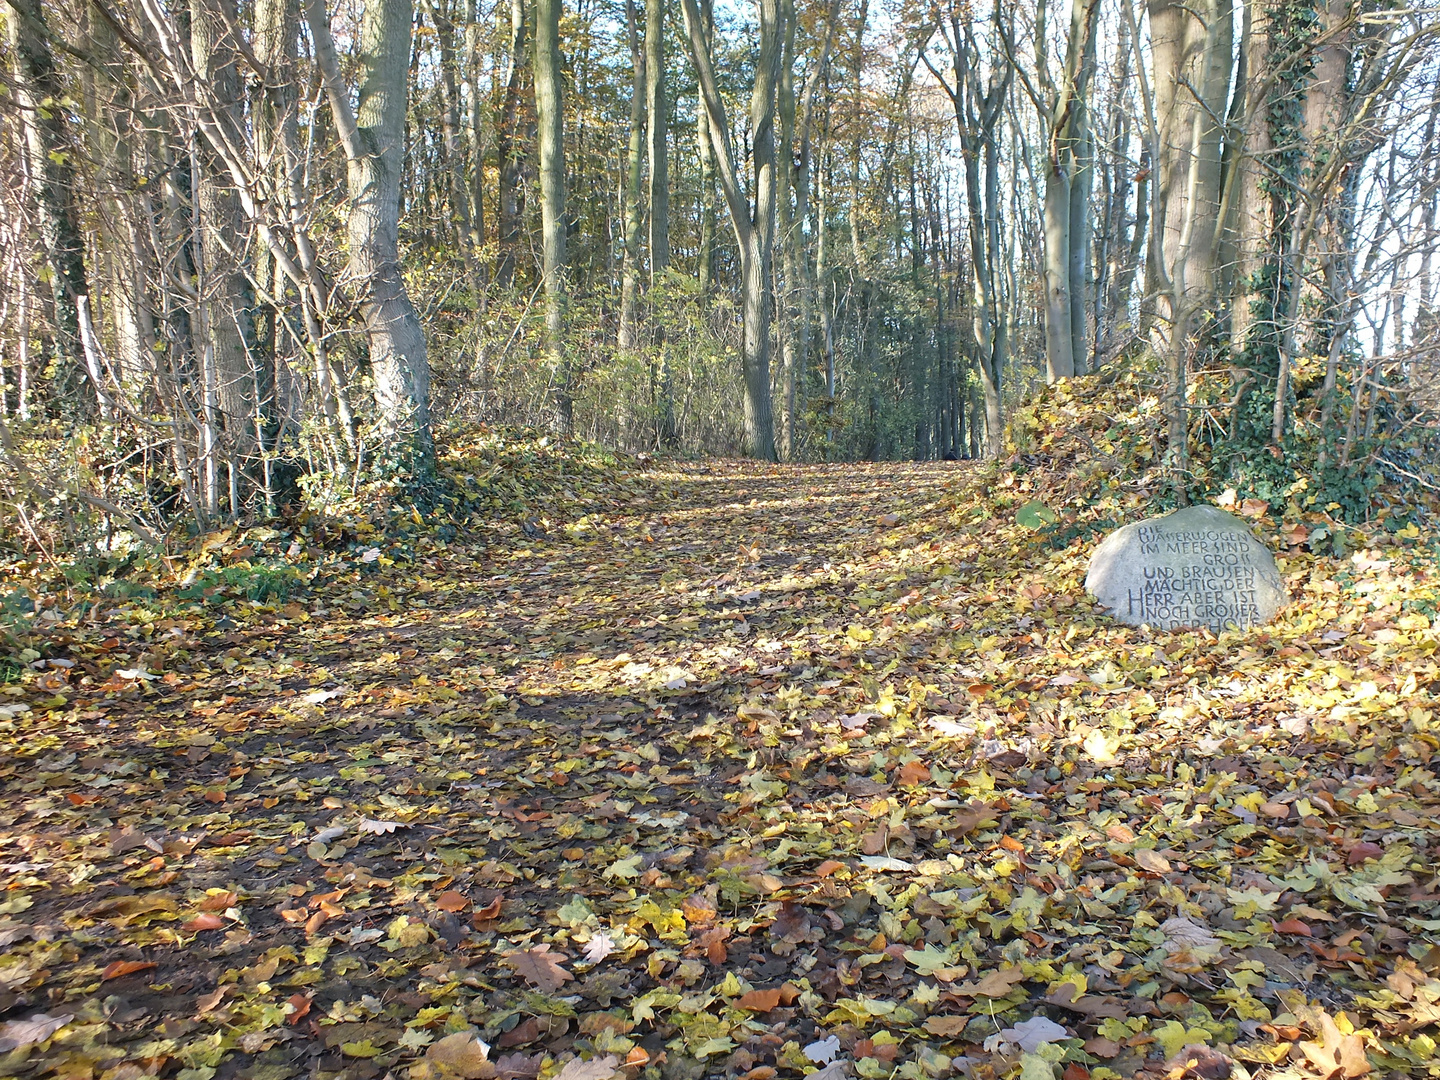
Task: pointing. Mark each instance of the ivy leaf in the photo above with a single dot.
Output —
(1035, 515)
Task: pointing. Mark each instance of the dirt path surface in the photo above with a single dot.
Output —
(747, 772)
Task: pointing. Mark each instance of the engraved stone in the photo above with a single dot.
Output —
(1194, 567)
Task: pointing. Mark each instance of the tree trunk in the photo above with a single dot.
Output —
(630, 211)
(759, 255)
(52, 178)
(1191, 56)
(549, 114)
(755, 235)
(705, 272)
(789, 239)
(1078, 262)
(372, 138)
(455, 165)
(657, 111)
(225, 286)
(510, 213)
(1059, 344)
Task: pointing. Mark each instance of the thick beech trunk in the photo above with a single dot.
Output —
(372, 137)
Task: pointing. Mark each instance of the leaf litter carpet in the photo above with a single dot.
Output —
(758, 772)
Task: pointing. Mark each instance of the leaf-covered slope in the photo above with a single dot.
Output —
(759, 772)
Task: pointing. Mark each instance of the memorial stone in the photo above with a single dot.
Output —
(1194, 567)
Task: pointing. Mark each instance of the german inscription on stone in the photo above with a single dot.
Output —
(1195, 567)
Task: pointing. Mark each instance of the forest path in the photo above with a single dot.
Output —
(714, 573)
(747, 768)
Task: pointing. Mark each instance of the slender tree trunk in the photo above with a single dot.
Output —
(1081, 180)
(372, 138)
(228, 296)
(630, 210)
(1059, 340)
(657, 110)
(550, 119)
(706, 270)
(1191, 58)
(455, 165)
(789, 240)
(52, 178)
(508, 139)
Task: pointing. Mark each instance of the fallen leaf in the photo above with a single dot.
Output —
(599, 1068)
(598, 947)
(1152, 861)
(462, 1054)
(120, 968)
(379, 828)
(36, 1028)
(946, 1026)
(823, 1050)
(760, 1000)
(539, 967)
(1034, 1033)
(997, 983)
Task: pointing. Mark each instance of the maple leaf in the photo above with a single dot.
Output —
(462, 1054)
(1334, 1053)
(379, 828)
(36, 1028)
(599, 1068)
(598, 947)
(1031, 1034)
(823, 1050)
(539, 967)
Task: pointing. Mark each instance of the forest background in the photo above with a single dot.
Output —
(256, 256)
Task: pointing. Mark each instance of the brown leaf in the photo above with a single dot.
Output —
(123, 840)
(760, 1000)
(828, 867)
(300, 1008)
(946, 1026)
(518, 1066)
(873, 842)
(913, 774)
(1152, 861)
(993, 984)
(539, 967)
(204, 921)
(1292, 926)
(452, 901)
(462, 1055)
(219, 901)
(485, 918)
(699, 910)
(1254, 508)
(1362, 851)
(594, 1069)
(1121, 834)
(971, 817)
(1101, 1047)
(1198, 1062)
(1334, 1054)
(120, 968)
